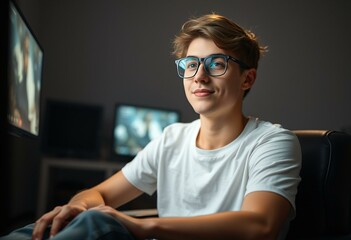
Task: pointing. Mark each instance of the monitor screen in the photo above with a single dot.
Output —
(25, 76)
(135, 126)
(72, 129)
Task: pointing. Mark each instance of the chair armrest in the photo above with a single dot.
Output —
(142, 213)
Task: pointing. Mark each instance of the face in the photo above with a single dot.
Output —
(216, 96)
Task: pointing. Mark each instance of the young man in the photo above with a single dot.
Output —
(223, 176)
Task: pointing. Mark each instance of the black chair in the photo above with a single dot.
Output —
(323, 200)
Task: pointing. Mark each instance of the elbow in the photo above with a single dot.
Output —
(263, 231)
(265, 234)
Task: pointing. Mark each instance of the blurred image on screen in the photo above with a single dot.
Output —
(136, 126)
(25, 69)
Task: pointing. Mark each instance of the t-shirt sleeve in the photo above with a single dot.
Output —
(142, 170)
(275, 165)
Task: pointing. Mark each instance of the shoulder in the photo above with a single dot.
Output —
(268, 139)
(264, 130)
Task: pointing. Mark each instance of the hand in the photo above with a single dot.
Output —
(58, 218)
(136, 226)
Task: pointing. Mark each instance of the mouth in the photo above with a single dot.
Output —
(202, 92)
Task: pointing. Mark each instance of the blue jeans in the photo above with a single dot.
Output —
(88, 225)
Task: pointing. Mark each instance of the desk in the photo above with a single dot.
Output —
(48, 164)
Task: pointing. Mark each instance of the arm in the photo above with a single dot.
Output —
(261, 217)
(114, 192)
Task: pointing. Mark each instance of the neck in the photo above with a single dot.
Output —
(216, 133)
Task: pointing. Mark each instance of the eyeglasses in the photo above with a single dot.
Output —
(215, 65)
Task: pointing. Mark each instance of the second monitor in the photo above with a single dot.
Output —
(135, 126)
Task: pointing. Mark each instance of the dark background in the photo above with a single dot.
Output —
(105, 52)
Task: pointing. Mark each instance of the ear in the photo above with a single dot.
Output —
(250, 78)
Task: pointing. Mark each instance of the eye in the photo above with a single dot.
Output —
(217, 63)
(191, 65)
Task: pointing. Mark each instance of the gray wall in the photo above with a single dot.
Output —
(104, 52)
(119, 51)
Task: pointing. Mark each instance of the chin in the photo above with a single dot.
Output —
(203, 111)
(204, 107)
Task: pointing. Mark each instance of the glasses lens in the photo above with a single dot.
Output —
(215, 65)
(187, 67)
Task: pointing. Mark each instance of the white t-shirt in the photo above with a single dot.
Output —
(192, 181)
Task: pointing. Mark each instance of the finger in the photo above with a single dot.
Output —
(42, 223)
(57, 224)
(101, 206)
(63, 218)
(108, 210)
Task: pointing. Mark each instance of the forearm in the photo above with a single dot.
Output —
(228, 225)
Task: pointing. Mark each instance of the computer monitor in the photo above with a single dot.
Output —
(72, 129)
(6, 184)
(135, 126)
(24, 75)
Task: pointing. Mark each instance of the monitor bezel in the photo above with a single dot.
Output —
(12, 128)
(128, 157)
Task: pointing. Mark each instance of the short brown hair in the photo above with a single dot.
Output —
(224, 33)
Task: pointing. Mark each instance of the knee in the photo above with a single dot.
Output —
(94, 215)
(97, 218)
(92, 224)
(94, 219)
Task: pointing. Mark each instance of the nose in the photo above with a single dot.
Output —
(201, 75)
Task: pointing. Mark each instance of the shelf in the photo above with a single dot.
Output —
(50, 164)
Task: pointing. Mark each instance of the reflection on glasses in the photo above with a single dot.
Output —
(215, 65)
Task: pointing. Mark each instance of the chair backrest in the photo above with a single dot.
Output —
(323, 201)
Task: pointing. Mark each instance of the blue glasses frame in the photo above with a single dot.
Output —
(181, 70)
